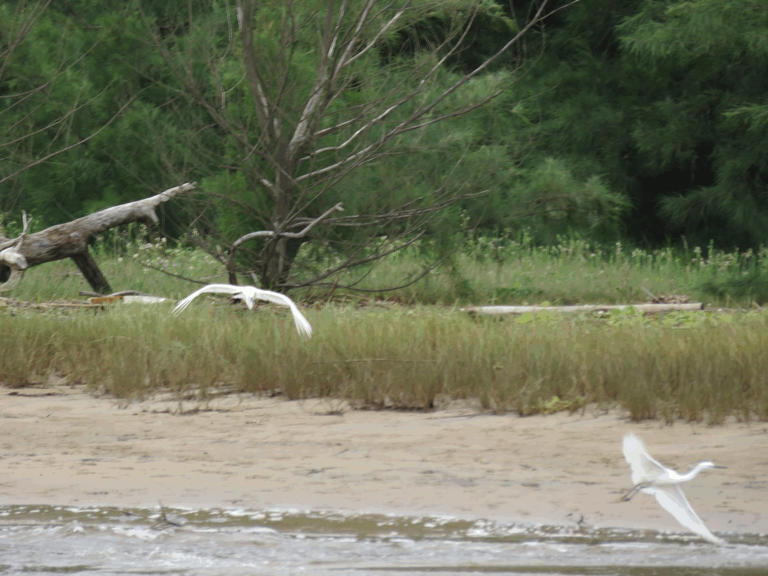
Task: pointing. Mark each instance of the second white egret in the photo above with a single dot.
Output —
(663, 483)
(251, 294)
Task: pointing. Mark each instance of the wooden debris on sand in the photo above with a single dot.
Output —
(593, 308)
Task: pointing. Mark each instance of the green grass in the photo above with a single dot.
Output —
(693, 366)
(503, 271)
(689, 366)
(484, 271)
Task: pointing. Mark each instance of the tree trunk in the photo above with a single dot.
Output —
(70, 240)
(277, 264)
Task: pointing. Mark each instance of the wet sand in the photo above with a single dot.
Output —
(60, 445)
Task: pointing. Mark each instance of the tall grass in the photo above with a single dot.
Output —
(500, 270)
(503, 270)
(692, 366)
(682, 366)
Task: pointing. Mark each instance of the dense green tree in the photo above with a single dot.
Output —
(714, 55)
(76, 111)
(666, 100)
(365, 103)
(96, 111)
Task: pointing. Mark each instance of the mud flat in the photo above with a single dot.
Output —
(61, 446)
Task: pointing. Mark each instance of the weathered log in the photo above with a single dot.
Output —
(70, 240)
(647, 308)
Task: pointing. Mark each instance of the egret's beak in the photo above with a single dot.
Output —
(720, 467)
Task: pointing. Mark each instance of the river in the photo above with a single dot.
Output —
(104, 541)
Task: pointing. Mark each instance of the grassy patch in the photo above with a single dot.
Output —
(694, 367)
(504, 270)
(484, 271)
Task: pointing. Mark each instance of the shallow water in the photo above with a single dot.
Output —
(56, 540)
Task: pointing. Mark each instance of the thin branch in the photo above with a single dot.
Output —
(26, 28)
(261, 102)
(378, 36)
(388, 289)
(147, 265)
(402, 126)
(25, 227)
(70, 147)
(350, 263)
(272, 233)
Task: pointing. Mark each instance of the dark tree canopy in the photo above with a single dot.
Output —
(651, 114)
(668, 101)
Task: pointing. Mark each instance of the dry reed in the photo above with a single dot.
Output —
(694, 366)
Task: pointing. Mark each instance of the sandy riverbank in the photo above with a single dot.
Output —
(59, 445)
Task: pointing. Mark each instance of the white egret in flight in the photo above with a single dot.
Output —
(664, 484)
(250, 294)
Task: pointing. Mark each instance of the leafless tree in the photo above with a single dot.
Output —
(306, 92)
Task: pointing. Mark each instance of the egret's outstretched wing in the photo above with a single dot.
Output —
(248, 293)
(302, 325)
(216, 288)
(674, 501)
(644, 467)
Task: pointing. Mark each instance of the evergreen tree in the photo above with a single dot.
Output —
(713, 55)
(377, 105)
(665, 100)
(76, 111)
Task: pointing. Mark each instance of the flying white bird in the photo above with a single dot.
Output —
(250, 294)
(664, 484)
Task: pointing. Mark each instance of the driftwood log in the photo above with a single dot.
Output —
(70, 240)
(647, 308)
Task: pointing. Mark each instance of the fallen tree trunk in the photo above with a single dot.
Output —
(647, 308)
(70, 240)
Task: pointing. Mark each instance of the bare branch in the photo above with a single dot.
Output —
(307, 133)
(164, 271)
(352, 263)
(413, 281)
(25, 29)
(11, 257)
(268, 124)
(375, 40)
(423, 110)
(272, 233)
(275, 234)
(67, 148)
(424, 77)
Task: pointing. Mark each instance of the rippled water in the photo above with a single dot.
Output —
(46, 540)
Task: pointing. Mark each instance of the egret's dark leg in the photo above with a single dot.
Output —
(635, 489)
